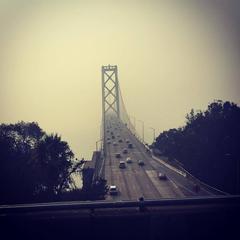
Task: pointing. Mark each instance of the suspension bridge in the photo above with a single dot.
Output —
(127, 163)
(173, 207)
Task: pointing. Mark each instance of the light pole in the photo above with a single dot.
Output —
(142, 130)
(154, 136)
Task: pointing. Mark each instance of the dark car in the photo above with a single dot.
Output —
(162, 176)
(141, 162)
(130, 145)
(125, 150)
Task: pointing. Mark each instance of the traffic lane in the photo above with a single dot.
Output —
(136, 191)
(186, 186)
(153, 189)
(138, 179)
(140, 184)
(177, 179)
(164, 188)
(149, 187)
(118, 180)
(122, 179)
(183, 183)
(172, 190)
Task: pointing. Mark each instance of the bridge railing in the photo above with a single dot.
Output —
(194, 179)
(37, 207)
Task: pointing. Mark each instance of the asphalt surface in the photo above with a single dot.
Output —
(136, 181)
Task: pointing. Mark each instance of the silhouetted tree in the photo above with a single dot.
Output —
(36, 167)
(208, 145)
(32, 163)
(96, 191)
(54, 160)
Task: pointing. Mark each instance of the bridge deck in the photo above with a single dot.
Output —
(140, 181)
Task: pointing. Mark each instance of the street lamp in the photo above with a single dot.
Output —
(154, 136)
(142, 130)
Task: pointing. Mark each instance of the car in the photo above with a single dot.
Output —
(141, 162)
(113, 137)
(117, 155)
(109, 142)
(125, 150)
(120, 140)
(122, 164)
(128, 160)
(130, 145)
(127, 141)
(162, 176)
(113, 190)
(115, 144)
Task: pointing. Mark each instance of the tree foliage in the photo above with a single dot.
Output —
(208, 145)
(37, 167)
(33, 165)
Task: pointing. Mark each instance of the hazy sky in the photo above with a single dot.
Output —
(171, 56)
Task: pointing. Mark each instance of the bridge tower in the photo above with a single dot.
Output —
(110, 91)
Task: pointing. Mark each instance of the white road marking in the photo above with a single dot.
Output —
(169, 166)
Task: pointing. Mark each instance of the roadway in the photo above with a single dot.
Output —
(136, 181)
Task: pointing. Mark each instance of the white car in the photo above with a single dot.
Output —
(113, 190)
(122, 164)
(128, 160)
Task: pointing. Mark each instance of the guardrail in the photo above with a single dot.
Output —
(102, 159)
(182, 171)
(36, 207)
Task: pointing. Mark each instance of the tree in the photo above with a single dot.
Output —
(96, 191)
(208, 145)
(32, 164)
(54, 161)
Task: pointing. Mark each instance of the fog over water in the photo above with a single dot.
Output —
(171, 56)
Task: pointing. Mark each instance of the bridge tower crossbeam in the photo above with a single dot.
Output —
(110, 91)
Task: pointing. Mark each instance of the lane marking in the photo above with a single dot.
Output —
(169, 166)
(182, 186)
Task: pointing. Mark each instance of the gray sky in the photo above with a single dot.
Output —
(171, 56)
